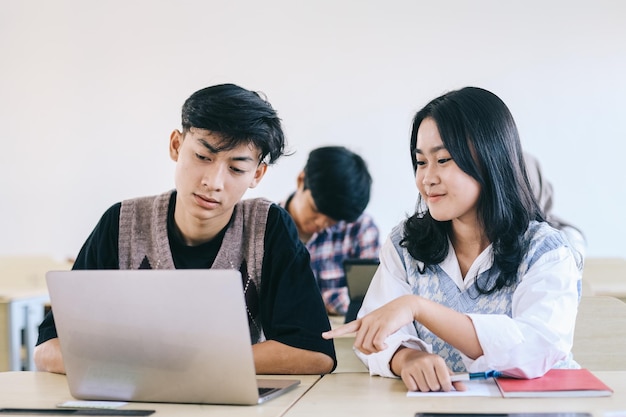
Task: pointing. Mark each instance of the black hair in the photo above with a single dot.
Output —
(479, 132)
(239, 116)
(339, 182)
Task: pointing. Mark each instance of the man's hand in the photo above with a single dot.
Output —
(48, 358)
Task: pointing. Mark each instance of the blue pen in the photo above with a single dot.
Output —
(475, 375)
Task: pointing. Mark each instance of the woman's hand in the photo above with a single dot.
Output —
(372, 329)
(423, 371)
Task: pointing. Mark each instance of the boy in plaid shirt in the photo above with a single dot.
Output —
(327, 207)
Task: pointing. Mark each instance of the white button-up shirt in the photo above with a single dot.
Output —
(523, 330)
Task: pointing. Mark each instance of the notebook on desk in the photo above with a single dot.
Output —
(178, 336)
(359, 274)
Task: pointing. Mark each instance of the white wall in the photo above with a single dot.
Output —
(90, 91)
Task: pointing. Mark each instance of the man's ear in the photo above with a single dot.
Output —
(300, 181)
(176, 141)
(258, 175)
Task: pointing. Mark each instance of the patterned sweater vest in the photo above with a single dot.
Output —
(434, 284)
(144, 244)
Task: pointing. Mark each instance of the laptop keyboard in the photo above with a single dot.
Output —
(265, 391)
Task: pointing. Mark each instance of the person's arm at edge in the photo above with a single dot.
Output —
(273, 357)
(47, 357)
(47, 353)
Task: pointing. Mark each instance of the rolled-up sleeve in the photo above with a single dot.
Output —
(540, 332)
(537, 336)
(389, 282)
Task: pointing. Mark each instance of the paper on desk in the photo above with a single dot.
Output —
(475, 388)
(92, 404)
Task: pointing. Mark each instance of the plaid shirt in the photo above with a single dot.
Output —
(330, 247)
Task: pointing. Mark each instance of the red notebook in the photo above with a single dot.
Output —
(556, 383)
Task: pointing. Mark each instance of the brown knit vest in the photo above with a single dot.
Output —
(144, 243)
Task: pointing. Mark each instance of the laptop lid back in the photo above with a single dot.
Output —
(155, 335)
(359, 274)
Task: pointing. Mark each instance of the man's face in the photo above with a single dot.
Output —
(210, 182)
(304, 212)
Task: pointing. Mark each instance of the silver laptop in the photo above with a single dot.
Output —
(359, 274)
(178, 336)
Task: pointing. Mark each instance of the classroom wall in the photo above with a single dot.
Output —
(90, 91)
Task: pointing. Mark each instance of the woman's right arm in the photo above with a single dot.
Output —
(389, 283)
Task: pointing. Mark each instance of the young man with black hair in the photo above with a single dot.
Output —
(229, 136)
(328, 206)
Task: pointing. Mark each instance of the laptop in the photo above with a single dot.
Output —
(174, 336)
(359, 274)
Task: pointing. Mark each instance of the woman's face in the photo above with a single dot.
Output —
(449, 193)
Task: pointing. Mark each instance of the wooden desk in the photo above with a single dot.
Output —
(45, 390)
(358, 394)
(600, 336)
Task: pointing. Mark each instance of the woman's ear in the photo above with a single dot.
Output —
(176, 141)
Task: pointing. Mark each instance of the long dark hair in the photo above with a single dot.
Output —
(479, 132)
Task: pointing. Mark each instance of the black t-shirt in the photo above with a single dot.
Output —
(291, 308)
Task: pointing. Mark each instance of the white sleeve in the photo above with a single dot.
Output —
(389, 282)
(540, 332)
